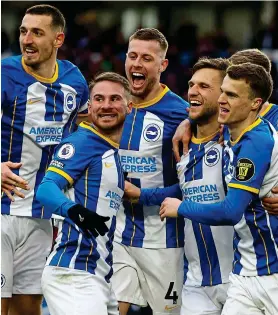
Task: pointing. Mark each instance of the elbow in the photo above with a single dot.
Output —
(232, 220)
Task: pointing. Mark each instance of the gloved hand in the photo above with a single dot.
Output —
(89, 221)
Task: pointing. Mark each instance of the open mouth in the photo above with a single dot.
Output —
(30, 51)
(138, 79)
(107, 116)
(195, 103)
(224, 110)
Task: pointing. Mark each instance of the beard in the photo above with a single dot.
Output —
(206, 115)
(145, 92)
(37, 62)
(109, 129)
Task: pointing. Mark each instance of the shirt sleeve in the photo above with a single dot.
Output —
(154, 197)
(6, 89)
(250, 167)
(177, 116)
(83, 109)
(50, 194)
(227, 212)
(72, 157)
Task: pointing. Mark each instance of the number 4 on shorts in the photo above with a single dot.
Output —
(174, 296)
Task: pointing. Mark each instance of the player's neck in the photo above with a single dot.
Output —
(45, 70)
(264, 107)
(207, 129)
(114, 134)
(156, 90)
(238, 128)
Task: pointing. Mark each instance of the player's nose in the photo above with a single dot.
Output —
(222, 99)
(193, 91)
(107, 103)
(28, 38)
(137, 62)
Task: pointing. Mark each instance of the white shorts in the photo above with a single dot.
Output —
(25, 245)
(203, 300)
(149, 276)
(77, 292)
(252, 295)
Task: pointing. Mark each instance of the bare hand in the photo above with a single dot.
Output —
(169, 208)
(271, 203)
(9, 180)
(132, 193)
(183, 134)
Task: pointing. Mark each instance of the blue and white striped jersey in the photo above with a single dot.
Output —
(208, 249)
(146, 154)
(91, 164)
(251, 163)
(271, 115)
(36, 114)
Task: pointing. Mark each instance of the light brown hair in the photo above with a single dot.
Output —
(151, 34)
(112, 77)
(220, 64)
(259, 80)
(252, 55)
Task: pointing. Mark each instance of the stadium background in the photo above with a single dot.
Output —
(97, 34)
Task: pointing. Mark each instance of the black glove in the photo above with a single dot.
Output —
(89, 221)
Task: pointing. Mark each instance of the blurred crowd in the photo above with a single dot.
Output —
(96, 50)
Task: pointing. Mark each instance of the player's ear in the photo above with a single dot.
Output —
(59, 40)
(89, 107)
(256, 104)
(129, 107)
(164, 65)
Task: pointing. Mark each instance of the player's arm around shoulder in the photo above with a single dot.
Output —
(10, 182)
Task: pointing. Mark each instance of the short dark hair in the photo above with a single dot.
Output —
(112, 77)
(252, 55)
(259, 80)
(151, 34)
(220, 64)
(58, 19)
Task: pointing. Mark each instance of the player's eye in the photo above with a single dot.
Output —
(231, 95)
(115, 98)
(148, 59)
(204, 86)
(38, 33)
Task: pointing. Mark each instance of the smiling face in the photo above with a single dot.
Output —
(39, 40)
(108, 106)
(144, 63)
(203, 93)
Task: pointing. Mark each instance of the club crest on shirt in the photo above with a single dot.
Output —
(245, 170)
(70, 102)
(152, 133)
(66, 151)
(212, 157)
(3, 280)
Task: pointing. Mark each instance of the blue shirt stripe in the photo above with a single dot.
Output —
(208, 255)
